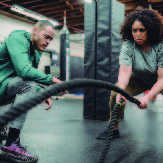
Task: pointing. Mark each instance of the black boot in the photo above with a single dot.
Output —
(3, 133)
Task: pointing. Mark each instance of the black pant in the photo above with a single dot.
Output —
(16, 91)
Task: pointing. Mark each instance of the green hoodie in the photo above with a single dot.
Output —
(18, 58)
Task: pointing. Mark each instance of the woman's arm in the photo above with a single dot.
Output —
(123, 79)
(125, 62)
(158, 86)
(124, 76)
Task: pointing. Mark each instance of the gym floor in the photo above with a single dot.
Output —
(60, 135)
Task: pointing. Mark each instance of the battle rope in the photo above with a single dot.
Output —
(18, 109)
(110, 129)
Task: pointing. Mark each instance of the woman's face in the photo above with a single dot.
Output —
(139, 32)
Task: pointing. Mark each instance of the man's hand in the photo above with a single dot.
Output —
(63, 93)
(57, 81)
(48, 101)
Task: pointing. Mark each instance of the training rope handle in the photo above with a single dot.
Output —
(18, 109)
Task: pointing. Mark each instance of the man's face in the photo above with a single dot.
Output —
(43, 37)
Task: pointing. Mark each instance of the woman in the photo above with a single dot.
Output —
(142, 7)
(141, 60)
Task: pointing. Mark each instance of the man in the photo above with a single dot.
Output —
(20, 54)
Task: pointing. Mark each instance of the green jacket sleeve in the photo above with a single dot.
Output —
(19, 49)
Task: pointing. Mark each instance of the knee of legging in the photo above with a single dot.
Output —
(28, 86)
(113, 94)
(112, 99)
(32, 85)
(16, 80)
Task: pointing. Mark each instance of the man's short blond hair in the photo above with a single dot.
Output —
(41, 24)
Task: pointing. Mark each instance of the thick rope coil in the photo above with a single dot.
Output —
(110, 129)
(18, 109)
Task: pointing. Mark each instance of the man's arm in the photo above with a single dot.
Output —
(55, 81)
(18, 48)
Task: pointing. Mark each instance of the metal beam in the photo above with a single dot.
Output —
(57, 11)
(28, 2)
(53, 7)
(75, 21)
(35, 6)
(6, 1)
(69, 13)
(126, 1)
(68, 17)
(156, 1)
(68, 4)
(74, 25)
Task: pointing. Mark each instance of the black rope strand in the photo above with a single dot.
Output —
(18, 109)
(110, 129)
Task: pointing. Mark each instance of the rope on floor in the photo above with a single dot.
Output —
(18, 109)
(110, 131)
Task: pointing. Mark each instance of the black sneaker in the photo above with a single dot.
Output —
(104, 134)
(17, 153)
(3, 133)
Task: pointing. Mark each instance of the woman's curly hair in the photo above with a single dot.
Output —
(152, 22)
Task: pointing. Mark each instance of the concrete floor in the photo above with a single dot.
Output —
(60, 135)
